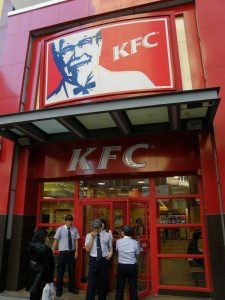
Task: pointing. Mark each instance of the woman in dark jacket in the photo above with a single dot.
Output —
(41, 268)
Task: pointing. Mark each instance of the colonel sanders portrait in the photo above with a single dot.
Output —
(77, 58)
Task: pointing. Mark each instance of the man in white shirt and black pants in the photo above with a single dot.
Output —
(127, 249)
(99, 244)
(66, 240)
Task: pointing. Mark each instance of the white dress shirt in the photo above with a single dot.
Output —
(106, 243)
(127, 249)
(62, 237)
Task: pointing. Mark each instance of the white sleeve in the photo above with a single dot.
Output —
(58, 233)
(87, 239)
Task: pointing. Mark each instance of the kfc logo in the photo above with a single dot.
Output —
(108, 153)
(126, 56)
(119, 51)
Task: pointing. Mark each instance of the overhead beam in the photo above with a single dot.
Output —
(211, 114)
(8, 134)
(174, 116)
(74, 126)
(32, 132)
(109, 106)
(122, 121)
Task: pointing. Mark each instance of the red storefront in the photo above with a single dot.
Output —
(111, 117)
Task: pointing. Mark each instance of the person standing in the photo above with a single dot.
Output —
(193, 248)
(66, 240)
(99, 244)
(127, 249)
(41, 268)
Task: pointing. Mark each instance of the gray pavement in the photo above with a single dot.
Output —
(23, 295)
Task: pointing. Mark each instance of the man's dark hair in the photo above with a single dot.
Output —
(104, 222)
(68, 218)
(40, 235)
(128, 230)
(196, 235)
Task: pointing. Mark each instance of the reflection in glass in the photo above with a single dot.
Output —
(54, 212)
(119, 217)
(177, 271)
(177, 240)
(138, 218)
(114, 188)
(176, 185)
(178, 211)
(58, 190)
(143, 267)
(84, 266)
(91, 212)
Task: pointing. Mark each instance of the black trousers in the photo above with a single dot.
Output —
(35, 296)
(65, 258)
(97, 278)
(124, 272)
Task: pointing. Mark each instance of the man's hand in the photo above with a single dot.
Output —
(109, 255)
(76, 255)
(94, 233)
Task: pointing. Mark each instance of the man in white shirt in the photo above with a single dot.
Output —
(66, 241)
(99, 244)
(127, 249)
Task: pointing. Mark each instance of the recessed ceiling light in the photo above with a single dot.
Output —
(141, 182)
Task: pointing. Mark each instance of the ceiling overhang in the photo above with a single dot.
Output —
(168, 112)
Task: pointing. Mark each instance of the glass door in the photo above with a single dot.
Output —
(117, 213)
(90, 211)
(139, 220)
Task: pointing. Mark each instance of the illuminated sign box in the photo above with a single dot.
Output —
(122, 57)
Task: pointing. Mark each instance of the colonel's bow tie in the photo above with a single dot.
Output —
(84, 89)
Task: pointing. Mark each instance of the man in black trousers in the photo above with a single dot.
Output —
(66, 240)
(99, 244)
(127, 249)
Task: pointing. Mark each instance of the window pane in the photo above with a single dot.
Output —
(138, 218)
(180, 240)
(176, 185)
(91, 212)
(58, 190)
(178, 211)
(177, 271)
(54, 212)
(114, 188)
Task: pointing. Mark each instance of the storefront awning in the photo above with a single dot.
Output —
(176, 111)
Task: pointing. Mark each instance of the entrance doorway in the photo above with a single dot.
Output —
(117, 213)
(164, 211)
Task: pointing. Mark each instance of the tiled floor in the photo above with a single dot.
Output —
(23, 295)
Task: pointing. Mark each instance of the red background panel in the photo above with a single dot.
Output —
(208, 173)
(211, 23)
(165, 154)
(19, 23)
(72, 10)
(16, 46)
(11, 78)
(44, 17)
(5, 173)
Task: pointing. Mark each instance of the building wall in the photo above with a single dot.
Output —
(211, 24)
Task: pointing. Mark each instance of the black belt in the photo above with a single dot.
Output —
(97, 258)
(67, 251)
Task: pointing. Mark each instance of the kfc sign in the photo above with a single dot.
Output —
(108, 153)
(126, 56)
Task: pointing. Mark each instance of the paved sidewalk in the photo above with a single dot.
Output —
(23, 295)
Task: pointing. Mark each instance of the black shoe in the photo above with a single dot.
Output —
(74, 291)
(58, 293)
